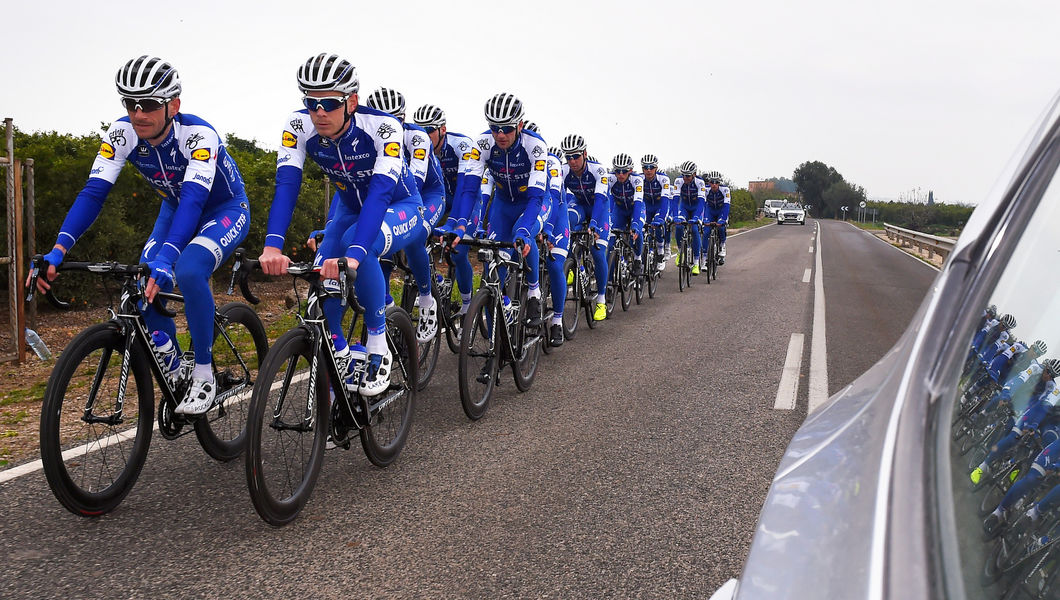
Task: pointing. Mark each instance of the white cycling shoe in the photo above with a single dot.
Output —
(428, 326)
(376, 374)
(200, 398)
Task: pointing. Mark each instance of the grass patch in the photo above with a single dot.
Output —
(868, 226)
(14, 419)
(35, 392)
(750, 224)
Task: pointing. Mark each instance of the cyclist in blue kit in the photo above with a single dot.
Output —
(361, 149)
(204, 213)
(716, 203)
(689, 198)
(627, 207)
(589, 208)
(657, 198)
(556, 232)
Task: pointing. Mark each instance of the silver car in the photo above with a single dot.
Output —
(877, 495)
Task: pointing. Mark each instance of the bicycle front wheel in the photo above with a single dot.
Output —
(573, 303)
(95, 425)
(527, 347)
(287, 425)
(390, 413)
(237, 356)
(479, 362)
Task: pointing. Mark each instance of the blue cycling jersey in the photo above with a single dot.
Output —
(657, 196)
(717, 202)
(190, 169)
(453, 153)
(588, 190)
(628, 197)
(516, 175)
(365, 164)
(689, 198)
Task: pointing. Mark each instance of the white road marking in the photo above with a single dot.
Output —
(806, 276)
(37, 465)
(818, 348)
(789, 380)
(811, 249)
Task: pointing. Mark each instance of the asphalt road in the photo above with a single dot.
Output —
(635, 467)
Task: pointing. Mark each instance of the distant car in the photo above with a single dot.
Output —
(791, 213)
(877, 496)
(770, 207)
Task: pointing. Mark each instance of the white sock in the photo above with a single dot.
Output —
(202, 372)
(601, 298)
(426, 301)
(534, 293)
(376, 343)
(557, 320)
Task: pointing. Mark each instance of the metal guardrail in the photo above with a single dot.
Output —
(921, 241)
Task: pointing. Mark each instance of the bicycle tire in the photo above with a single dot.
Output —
(716, 256)
(545, 285)
(572, 304)
(590, 292)
(427, 352)
(70, 478)
(448, 311)
(612, 292)
(479, 341)
(284, 453)
(625, 283)
(527, 358)
(222, 432)
(388, 428)
(653, 270)
(682, 265)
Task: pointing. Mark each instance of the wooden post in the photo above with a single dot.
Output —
(19, 316)
(31, 230)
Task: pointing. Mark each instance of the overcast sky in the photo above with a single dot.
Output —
(895, 95)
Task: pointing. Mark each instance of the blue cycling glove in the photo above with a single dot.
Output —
(162, 272)
(54, 258)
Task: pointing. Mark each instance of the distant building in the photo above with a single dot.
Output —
(761, 186)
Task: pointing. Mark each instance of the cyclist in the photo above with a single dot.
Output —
(627, 209)
(511, 164)
(1036, 416)
(378, 204)
(428, 173)
(556, 233)
(717, 201)
(453, 151)
(204, 212)
(589, 206)
(656, 202)
(689, 194)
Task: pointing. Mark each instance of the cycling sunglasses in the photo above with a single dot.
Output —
(503, 128)
(431, 130)
(648, 166)
(573, 156)
(328, 104)
(143, 104)
(622, 171)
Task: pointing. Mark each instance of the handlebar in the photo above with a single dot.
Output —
(39, 265)
(241, 270)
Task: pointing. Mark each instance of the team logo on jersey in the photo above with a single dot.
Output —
(201, 154)
(640, 189)
(417, 140)
(296, 124)
(106, 150)
(385, 131)
(539, 165)
(466, 156)
(340, 185)
(537, 151)
(554, 173)
(142, 150)
(419, 154)
(485, 180)
(475, 154)
(392, 149)
(522, 188)
(194, 140)
(289, 140)
(117, 136)
(325, 142)
(463, 146)
(484, 144)
(603, 180)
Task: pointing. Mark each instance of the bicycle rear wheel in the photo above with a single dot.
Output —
(590, 293)
(527, 352)
(628, 281)
(237, 356)
(479, 362)
(287, 425)
(572, 305)
(545, 285)
(390, 413)
(613, 282)
(683, 266)
(92, 461)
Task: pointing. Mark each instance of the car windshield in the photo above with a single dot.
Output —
(792, 206)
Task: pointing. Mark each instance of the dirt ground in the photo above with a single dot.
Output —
(22, 385)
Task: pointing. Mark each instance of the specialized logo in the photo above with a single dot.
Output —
(419, 154)
(201, 154)
(539, 165)
(296, 124)
(106, 150)
(289, 140)
(117, 136)
(385, 131)
(392, 149)
(194, 140)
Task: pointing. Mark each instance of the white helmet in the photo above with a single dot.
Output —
(328, 72)
(148, 77)
(688, 168)
(504, 109)
(622, 161)
(573, 143)
(429, 115)
(649, 159)
(530, 125)
(387, 100)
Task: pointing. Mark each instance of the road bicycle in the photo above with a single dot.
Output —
(496, 329)
(711, 254)
(650, 259)
(580, 271)
(93, 441)
(427, 352)
(621, 282)
(292, 414)
(685, 255)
